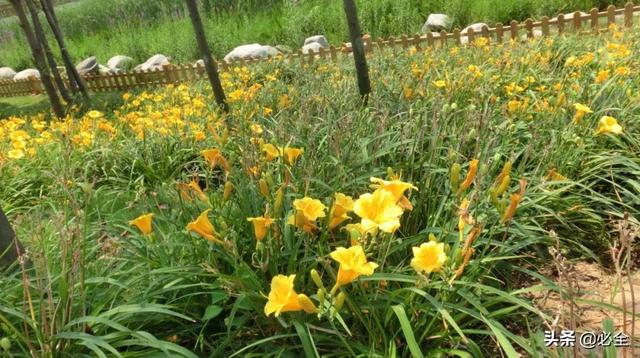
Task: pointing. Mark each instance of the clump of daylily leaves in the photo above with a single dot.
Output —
(373, 217)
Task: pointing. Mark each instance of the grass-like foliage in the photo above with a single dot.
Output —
(303, 223)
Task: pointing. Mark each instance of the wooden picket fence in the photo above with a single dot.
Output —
(594, 22)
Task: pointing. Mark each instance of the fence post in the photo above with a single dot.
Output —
(485, 33)
(168, 72)
(594, 20)
(366, 40)
(456, 36)
(528, 24)
(416, 41)
(405, 41)
(392, 44)
(471, 36)
(499, 32)
(628, 15)
(577, 21)
(430, 39)
(443, 38)
(514, 29)
(34, 83)
(560, 23)
(334, 53)
(611, 15)
(545, 26)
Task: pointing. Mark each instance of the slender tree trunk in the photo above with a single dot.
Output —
(205, 52)
(10, 247)
(39, 59)
(357, 45)
(53, 66)
(72, 73)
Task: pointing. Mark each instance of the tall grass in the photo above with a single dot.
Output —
(143, 28)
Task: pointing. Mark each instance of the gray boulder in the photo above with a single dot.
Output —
(319, 39)
(7, 73)
(88, 66)
(26, 74)
(119, 62)
(437, 22)
(251, 51)
(155, 62)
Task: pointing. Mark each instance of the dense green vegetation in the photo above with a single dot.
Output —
(513, 150)
(142, 28)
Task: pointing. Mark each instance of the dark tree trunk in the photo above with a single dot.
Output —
(53, 66)
(39, 59)
(205, 52)
(72, 73)
(357, 45)
(10, 248)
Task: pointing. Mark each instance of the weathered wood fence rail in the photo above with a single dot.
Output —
(593, 22)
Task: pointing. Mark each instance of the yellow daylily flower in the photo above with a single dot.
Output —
(609, 125)
(581, 111)
(554, 175)
(341, 206)
(602, 76)
(191, 189)
(260, 226)
(397, 188)
(283, 298)
(16, 154)
(215, 158)
(471, 174)
(292, 154)
(440, 83)
(143, 223)
(378, 210)
(428, 257)
(353, 264)
(308, 210)
(95, 114)
(203, 227)
(271, 152)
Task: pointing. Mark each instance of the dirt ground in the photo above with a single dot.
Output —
(592, 282)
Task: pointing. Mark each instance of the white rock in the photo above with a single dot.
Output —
(272, 51)
(311, 47)
(26, 74)
(437, 22)
(569, 16)
(103, 70)
(477, 28)
(7, 73)
(199, 63)
(119, 62)
(319, 39)
(87, 66)
(155, 62)
(251, 51)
